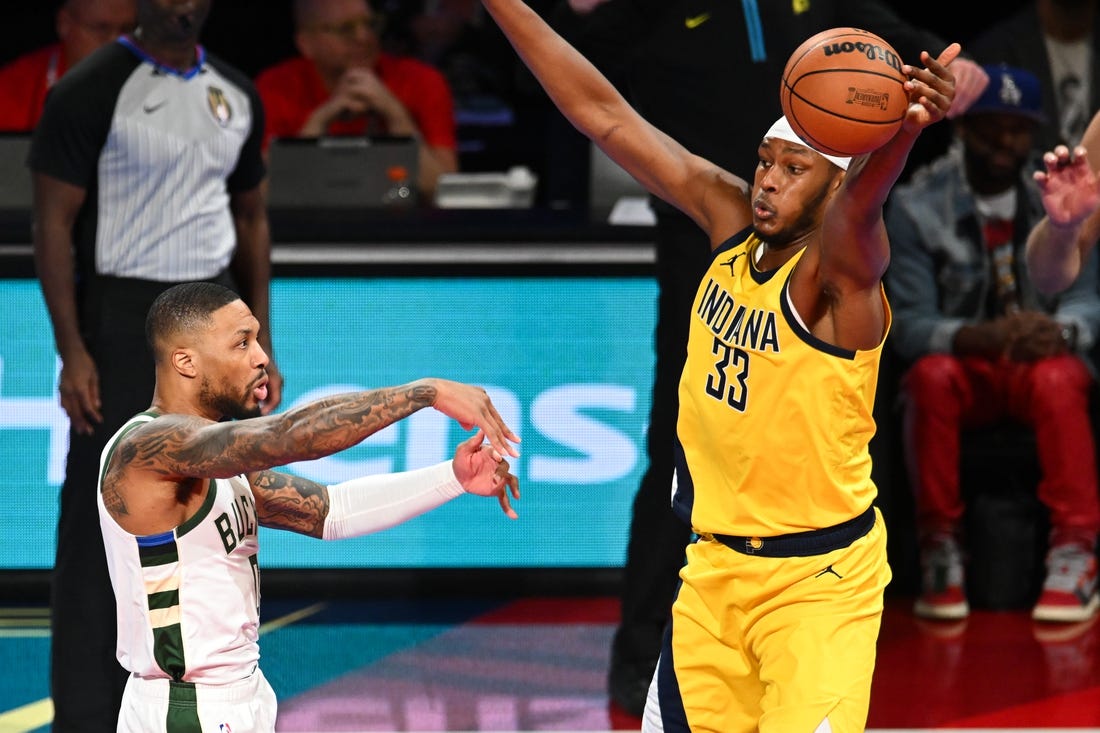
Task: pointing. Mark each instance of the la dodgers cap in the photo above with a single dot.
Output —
(1011, 90)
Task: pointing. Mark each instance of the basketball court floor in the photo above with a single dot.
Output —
(539, 664)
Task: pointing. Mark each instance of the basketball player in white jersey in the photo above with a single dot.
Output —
(183, 489)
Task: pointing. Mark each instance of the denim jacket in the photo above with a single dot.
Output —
(939, 277)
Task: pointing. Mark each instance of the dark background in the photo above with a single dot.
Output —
(252, 34)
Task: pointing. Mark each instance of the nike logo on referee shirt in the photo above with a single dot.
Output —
(696, 20)
(151, 108)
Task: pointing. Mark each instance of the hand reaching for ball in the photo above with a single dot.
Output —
(845, 91)
(931, 89)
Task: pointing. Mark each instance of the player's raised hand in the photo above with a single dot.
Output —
(1070, 188)
(931, 89)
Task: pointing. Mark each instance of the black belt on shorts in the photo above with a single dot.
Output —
(800, 544)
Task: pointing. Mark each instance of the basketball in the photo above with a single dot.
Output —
(843, 93)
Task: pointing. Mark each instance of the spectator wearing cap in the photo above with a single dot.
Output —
(980, 345)
(1057, 41)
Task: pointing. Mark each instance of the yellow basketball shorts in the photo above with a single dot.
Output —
(771, 644)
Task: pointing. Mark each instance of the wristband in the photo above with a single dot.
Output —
(372, 503)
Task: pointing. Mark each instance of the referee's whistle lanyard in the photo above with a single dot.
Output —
(755, 29)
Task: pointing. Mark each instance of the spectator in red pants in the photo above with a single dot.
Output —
(985, 346)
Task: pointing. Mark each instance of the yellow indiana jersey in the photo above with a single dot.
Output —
(774, 423)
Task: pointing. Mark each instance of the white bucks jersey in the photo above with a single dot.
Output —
(188, 598)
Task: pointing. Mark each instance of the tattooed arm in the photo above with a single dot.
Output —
(190, 446)
(157, 472)
(290, 502)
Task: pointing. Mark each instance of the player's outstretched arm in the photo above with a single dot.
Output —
(1059, 244)
(714, 198)
(856, 250)
(372, 503)
(186, 446)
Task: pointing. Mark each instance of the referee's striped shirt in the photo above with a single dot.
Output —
(158, 152)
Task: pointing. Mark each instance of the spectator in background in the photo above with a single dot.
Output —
(344, 84)
(82, 26)
(456, 37)
(499, 107)
(147, 171)
(1057, 41)
(983, 345)
(669, 58)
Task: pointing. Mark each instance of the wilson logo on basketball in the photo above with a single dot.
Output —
(872, 51)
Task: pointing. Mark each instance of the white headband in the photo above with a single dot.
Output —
(782, 129)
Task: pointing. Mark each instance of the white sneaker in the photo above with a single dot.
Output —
(942, 596)
(1069, 592)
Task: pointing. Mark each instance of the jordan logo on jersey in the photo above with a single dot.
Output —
(729, 263)
(219, 105)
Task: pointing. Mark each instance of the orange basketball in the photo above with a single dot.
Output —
(842, 91)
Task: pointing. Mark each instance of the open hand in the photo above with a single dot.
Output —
(482, 471)
(1069, 187)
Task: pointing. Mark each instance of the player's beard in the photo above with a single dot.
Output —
(227, 405)
(808, 219)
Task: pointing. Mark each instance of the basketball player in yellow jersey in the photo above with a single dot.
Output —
(775, 622)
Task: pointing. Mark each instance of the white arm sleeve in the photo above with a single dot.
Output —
(372, 503)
